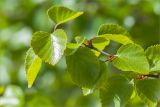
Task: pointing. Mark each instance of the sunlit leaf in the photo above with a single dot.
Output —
(32, 66)
(86, 91)
(117, 38)
(100, 43)
(72, 47)
(131, 57)
(83, 67)
(112, 29)
(49, 47)
(117, 89)
(60, 14)
(153, 55)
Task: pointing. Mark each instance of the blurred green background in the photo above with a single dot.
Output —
(53, 86)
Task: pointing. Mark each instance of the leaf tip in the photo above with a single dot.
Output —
(29, 85)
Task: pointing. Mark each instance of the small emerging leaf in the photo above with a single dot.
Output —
(32, 66)
(49, 47)
(72, 47)
(100, 43)
(60, 14)
(131, 57)
(153, 55)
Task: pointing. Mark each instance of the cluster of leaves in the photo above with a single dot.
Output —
(89, 71)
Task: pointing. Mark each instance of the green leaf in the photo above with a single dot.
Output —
(131, 57)
(149, 88)
(32, 66)
(136, 101)
(83, 67)
(117, 38)
(116, 92)
(103, 76)
(72, 47)
(49, 47)
(79, 39)
(112, 29)
(100, 43)
(153, 55)
(86, 91)
(60, 14)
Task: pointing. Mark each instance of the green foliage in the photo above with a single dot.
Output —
(112, 29)
(14, 96)
(117, 38)
(49, 47)
(153, 55)
(149, 88)
(40, 101)
(117, 89)
(83, 67)
(32, 66)
(131, 57)
(72, 47)
(60, 14)
(89, 71)
(100, 43)
(136, 101)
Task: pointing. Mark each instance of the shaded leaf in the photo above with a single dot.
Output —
(40, 101)
(117, 91)
(60, 14)
(149, 88)
(104, 74)
(131, 57)
(49, 47)
(137, 101)
(153, 55)
(83, 67)
(32, 66)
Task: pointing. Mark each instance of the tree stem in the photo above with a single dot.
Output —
(102, 52)
(110, 58)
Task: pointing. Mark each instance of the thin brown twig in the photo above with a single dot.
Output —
(89, 45)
